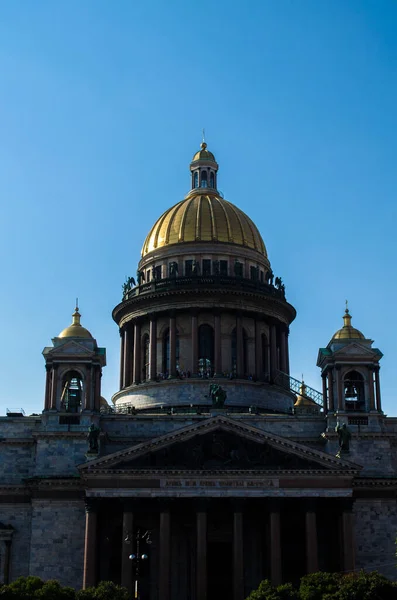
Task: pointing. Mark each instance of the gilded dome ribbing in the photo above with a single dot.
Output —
(204, 217)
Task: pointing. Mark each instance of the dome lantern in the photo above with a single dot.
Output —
(204, 169)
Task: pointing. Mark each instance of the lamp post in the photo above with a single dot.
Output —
(137, 557)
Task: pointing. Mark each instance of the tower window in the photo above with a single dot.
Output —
(204, 179)
(72, 390)
(188, 267)
(223, 267)
(206, 267)
(254, 273)
(206, 350)
(354, 391)
(212, 180)
(196, 180)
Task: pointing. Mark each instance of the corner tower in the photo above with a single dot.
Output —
(74, 370)
(206, 305)
(350, 371)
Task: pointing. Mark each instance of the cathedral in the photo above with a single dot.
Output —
(211, 468)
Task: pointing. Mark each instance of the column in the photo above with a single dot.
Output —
(88, 389)
(347, 534)
(127, 547)
(127, 358)
(324, 378)
(377, 387)
(153, 348)
(165, 554)
(90, 545)
(371, 388)
(172, 372)
(121, 359)
(311, 538)
(97, 388)
(54, 381)
(287, 350)
(201, 556)
(258, 351)
(218, 354)
(339, 389)
(273, 352)
(275, 544)
(137, 352)
(331, 405)
(47, 393)
(239, 346)
(238, 554)
(7, 562)
(194, 344)
(283, 358)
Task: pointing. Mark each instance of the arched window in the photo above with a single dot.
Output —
(353, 385)
(195, 180)
(72, 392)
(145, 357)
(265, 358)
(206, 350)
(166, 353)
(204, 179)
(234, 354)
(212, 180)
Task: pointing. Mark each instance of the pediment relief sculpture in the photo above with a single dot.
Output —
(219, 450)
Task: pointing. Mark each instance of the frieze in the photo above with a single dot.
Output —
(219, 483)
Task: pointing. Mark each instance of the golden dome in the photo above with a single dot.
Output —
(204, 217)
(203, 154)
(348, 332)
(75, 329)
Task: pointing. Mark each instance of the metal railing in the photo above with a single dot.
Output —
(192, 281)
(294, 385)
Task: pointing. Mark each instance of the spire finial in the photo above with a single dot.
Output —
(347, 306)
(203, 144)
(76, 315)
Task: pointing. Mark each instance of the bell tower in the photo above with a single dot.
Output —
(74, 370)
(350, 372)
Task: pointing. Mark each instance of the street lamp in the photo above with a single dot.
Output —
(137, 557)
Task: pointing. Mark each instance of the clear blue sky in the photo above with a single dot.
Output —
(101, 109)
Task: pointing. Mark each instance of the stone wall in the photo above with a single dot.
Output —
(376, 533)
(57, 541)
(60, 454)
(19, 516)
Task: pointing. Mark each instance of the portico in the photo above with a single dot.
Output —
(254, 506)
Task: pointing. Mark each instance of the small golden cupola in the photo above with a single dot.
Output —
(347, 332)
(304, 404)
(75, 330)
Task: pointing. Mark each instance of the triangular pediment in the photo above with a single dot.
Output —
(219, 443)
(355, 350)
(71, 348)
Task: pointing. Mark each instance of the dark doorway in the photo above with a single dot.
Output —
(219, 569)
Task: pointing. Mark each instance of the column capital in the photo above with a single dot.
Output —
(48, 368)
